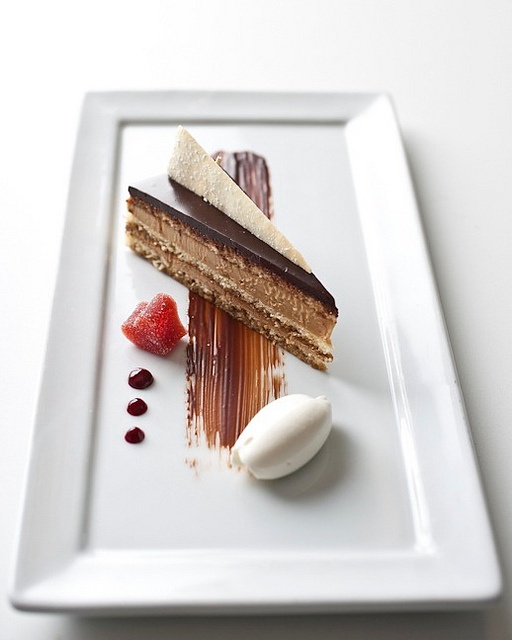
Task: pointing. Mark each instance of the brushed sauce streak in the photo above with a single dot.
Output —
(232, 371)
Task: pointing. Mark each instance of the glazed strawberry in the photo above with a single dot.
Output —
(155, 326)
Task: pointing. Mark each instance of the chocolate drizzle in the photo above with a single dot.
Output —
(232, 371)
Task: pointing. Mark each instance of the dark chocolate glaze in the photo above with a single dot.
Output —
(181, 203)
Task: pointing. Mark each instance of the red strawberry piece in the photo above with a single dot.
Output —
(155, 326)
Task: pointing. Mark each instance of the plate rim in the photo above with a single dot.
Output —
(41, 580)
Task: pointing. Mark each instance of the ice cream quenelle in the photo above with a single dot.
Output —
(283, 436)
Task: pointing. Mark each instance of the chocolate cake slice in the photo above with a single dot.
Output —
(216, 257)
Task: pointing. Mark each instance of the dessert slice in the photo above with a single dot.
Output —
(240, 270)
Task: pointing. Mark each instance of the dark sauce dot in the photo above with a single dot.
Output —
(134, 435)
(136, 407)
(140, 378)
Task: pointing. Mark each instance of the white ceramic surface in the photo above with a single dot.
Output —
(389, 515)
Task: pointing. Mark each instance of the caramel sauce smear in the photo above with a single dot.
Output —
(232, 371)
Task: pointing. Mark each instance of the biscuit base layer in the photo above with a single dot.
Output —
(251, 294)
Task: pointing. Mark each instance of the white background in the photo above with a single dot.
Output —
(447, 66)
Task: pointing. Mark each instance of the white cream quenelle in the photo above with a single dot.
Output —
(283, 436)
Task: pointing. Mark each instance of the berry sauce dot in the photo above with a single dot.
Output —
(136, 407)
(140, 379)
(134, 435)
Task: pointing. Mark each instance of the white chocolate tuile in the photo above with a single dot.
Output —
(192, 167)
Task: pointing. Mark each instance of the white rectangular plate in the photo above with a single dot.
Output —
(390, 515)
